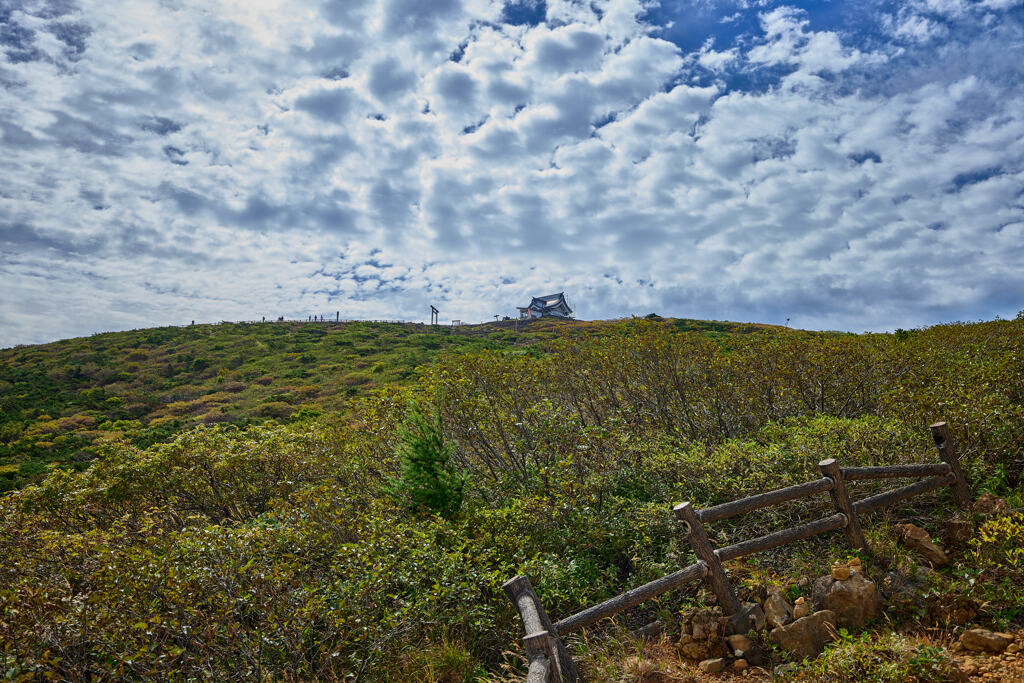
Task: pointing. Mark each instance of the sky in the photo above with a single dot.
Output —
(844, 165)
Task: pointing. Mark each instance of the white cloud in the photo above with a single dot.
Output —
(209, 160)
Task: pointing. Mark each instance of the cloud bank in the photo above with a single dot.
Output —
(174, 160)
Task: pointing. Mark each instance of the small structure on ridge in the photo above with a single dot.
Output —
(543, 306)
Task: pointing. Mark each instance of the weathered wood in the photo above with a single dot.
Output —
(705, 553)
(613, 606)
(947, 451)
(535, 619)
(538, 644)
(539, 670)
(894, 471)
(896, 495)
(756, 545)
(763, 500)
(843, 504)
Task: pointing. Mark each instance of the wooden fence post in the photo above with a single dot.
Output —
(961, 491)
(843, 504)
(702, 548)
(520, 592)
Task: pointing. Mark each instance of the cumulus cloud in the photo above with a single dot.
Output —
(207, 160)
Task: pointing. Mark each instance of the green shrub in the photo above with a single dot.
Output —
(428, 478)
(1000, 542)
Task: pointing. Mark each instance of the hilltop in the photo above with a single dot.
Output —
(366, 533)
(58, 400)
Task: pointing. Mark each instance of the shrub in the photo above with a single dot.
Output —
(275, 409)
(1000, 542)
(428, 478)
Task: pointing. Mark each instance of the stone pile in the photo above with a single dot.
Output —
(845, 598)
(982, 655)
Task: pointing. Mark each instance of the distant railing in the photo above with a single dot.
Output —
(549, 660)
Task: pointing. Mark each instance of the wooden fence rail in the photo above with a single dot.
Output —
(549, 660)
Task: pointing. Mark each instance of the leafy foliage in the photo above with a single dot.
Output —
(263, 548)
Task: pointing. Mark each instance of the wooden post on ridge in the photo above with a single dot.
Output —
(961, 491)
(702, 549)
(841, 501)
(520, 592)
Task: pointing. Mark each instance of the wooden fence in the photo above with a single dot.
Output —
(549, 660)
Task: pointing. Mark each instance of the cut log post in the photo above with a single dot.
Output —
(961, 491)
(841, 501)
(705, 553)
(539, 656)
(535, 620)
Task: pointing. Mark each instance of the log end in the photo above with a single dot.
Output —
(514, 586)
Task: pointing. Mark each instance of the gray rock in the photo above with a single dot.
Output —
(713, 666)
(750, 617)
(897, 586)
(854, 600)
(807, 637)
(777, 611)
(983, 640)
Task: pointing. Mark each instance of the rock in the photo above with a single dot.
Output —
(853, 601)
(756, 656)
(702, 635)
(804, 582)
(988, 505)
(739, 642)
(750, 617)
(1013, 648)
(713, 666)
(917, 539)
(958, 533)
(807, 637)
(801, 608)
(777, 611)
(980, 639)
(856, 565)
(840, 572)
(740, 664)
(896, 586)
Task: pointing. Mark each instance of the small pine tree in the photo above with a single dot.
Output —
(428, 477)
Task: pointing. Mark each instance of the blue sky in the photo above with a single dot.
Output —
(846, 165)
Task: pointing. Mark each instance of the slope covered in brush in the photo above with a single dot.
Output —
(294, 549)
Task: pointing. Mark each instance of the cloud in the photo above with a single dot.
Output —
(174, 161)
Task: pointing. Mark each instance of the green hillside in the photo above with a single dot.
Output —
(59, 400)
(370, 542)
